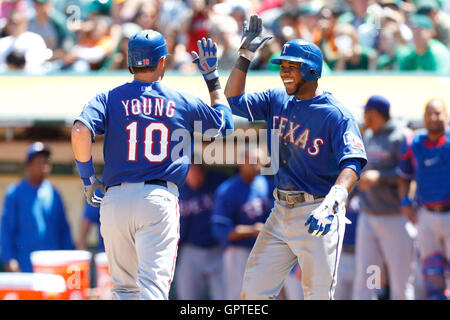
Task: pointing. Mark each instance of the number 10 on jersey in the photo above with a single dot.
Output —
(149, 141)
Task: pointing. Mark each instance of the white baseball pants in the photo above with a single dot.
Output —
(234, 259)
(382, 241)
(285, 240)
(199, 269)
(140, 226)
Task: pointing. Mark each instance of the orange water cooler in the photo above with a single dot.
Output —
(72, 265)
(31, 286)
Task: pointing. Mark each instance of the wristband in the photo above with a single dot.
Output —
(339, 194)
(242, 64)
(85, 170)
(405, 201)
(213, 84)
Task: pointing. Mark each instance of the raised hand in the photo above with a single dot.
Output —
(251, 38)
(206, 59)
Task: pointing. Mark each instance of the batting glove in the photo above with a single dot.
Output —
(206, 59)
(321, 218)
(89, 191)
(251, 37)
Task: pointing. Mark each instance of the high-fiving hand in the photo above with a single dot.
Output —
(206, 59)
(251, 37)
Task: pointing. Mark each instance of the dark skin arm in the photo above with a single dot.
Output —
(236, 83)
(347, 178)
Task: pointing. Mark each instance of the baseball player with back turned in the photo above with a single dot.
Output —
(320, 157)
(139, 214)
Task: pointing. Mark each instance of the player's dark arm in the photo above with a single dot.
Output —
(81, 142)
(236, 81)
(347, 178)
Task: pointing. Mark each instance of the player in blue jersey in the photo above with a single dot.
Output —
(33, 216)
(199, 263)
(426, 159)
(148, 128)
(320, 157)
(242, 205)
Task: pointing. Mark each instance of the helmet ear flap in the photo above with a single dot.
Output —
(308, 73)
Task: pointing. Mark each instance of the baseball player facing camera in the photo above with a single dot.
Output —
(320, 158)
(139, 214)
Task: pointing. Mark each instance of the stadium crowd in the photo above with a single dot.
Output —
(42, 36)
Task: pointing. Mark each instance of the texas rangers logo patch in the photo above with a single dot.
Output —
(353, 140)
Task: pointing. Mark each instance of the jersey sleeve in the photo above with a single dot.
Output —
(347, 142)
(253, 106)
(93, 115)
(211, 121)
(405, 168)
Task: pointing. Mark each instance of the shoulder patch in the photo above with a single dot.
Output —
(353, 140)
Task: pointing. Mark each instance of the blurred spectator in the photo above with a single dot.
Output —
(180, 60)
(306, 22)
(195, 23)
(90, 217)
(199, 271)
(358, 13)
(441, 20)
(242, 205)
(351, 55)
(327, 22)
(265, 5)
(50, 25)
(427, 53)
(29, 43)
(97, 40)
(390, 47)
(381, 237)
(147, 15)
(270, 50)
(119, 59)
(224, 32)
(6, 6)
(15, 61)
(98, 7)
(239, 10)
(171, 14)
(395, 11)
(33, 216)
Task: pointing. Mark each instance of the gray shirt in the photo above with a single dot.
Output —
(382, 149)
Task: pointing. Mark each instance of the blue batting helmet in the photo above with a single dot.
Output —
(146, 48)
(308, 53)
